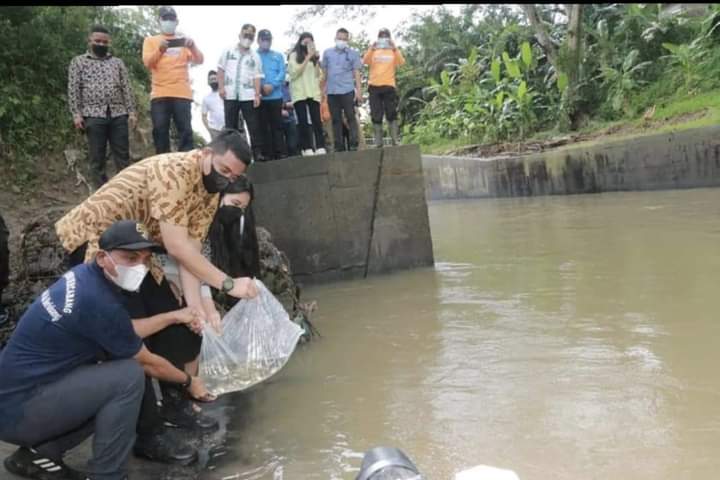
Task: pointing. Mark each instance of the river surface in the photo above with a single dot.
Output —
(561, 337)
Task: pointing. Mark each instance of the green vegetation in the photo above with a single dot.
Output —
(498, 73)
(38, 44)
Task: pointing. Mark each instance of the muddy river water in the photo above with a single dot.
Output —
(561, 337)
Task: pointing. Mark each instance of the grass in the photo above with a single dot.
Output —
(701, 109)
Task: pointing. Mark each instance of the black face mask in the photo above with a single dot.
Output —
(99, 50)
(214, 86)
(229, 214)
(214, 182)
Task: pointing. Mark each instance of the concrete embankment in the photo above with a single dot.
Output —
(686, 159)
(346, 215)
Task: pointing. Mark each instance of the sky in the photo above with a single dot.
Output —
(214, 28)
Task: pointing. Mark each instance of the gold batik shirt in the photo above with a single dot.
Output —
(164, 188)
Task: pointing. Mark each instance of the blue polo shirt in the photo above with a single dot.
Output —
(340, 66)
(273, 65)
(78, 319)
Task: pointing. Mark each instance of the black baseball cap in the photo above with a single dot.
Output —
(167, 12)
(386, 31)
(264, 34)
(128, 235)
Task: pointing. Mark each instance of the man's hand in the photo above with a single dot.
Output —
(132, 121)
(289, 106)
(285, 113)
(163, 45)
(187, 315)
(189, 43)
(244, 288)
(221, 92)
(79, 122)
(267, 89)
(256, 100)
(198, 391)
(358, 98)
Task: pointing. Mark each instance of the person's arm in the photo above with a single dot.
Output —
(144, 327)
(177, 243)
(190, 283)
(128, 94)
(279, 75)
(295, 69)
(75, 94)
(221, 82)
(399, 59)
(367, 58)
(196, 56)
(205, 110)
(358, 86)
(259, 75)
(152, 52)
(157, 367)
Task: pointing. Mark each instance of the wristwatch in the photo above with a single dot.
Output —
(187, 382)
(227, 285)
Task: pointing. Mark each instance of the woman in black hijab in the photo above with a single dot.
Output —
(232, 237)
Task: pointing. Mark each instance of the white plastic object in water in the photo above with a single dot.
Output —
(256, 341)
(484, 472)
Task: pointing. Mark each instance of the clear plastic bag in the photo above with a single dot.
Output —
(257, 340)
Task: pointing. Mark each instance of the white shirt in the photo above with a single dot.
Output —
(214, 105)
(241, 69)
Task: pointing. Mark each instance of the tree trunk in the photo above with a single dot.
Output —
(566, 58)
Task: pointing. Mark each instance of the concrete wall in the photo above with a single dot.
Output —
(346, 215)
(663, 161)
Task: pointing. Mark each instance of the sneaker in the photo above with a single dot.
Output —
(178, 412)
(320, 151)
(307, 153)
(165, 447)
(29, 463)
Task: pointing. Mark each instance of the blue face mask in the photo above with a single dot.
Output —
(168, 26)
(264, 44)
(383, 42)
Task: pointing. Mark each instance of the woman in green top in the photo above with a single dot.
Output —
(305, 76)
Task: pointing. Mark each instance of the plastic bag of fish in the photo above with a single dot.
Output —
(256, 341)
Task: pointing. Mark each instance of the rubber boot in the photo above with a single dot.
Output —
(378, 129)
(394, 132)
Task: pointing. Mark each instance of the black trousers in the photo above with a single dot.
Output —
(305, 130)
(177, 343)
(339, 105)
(99, 132)
(383, 100)
(4, 256)
(271, 129)
(233, 109)
(179, 110)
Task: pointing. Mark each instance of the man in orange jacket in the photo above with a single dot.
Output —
(167, 58)
(384, 58)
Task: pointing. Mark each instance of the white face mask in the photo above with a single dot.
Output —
(245, 42)
(129, 278)
(341, 44)
(168, 26)
(383, 42)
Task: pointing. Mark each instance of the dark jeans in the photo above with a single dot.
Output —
(101, 399)
(339, 105)
(383, 100)
(176, 343)
(99, 132)
(233, 108)
(290, 132)
(271, 129)
(4, 257)
(161, 111)
(301, 111)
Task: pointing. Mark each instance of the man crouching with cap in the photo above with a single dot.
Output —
(75, 365)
